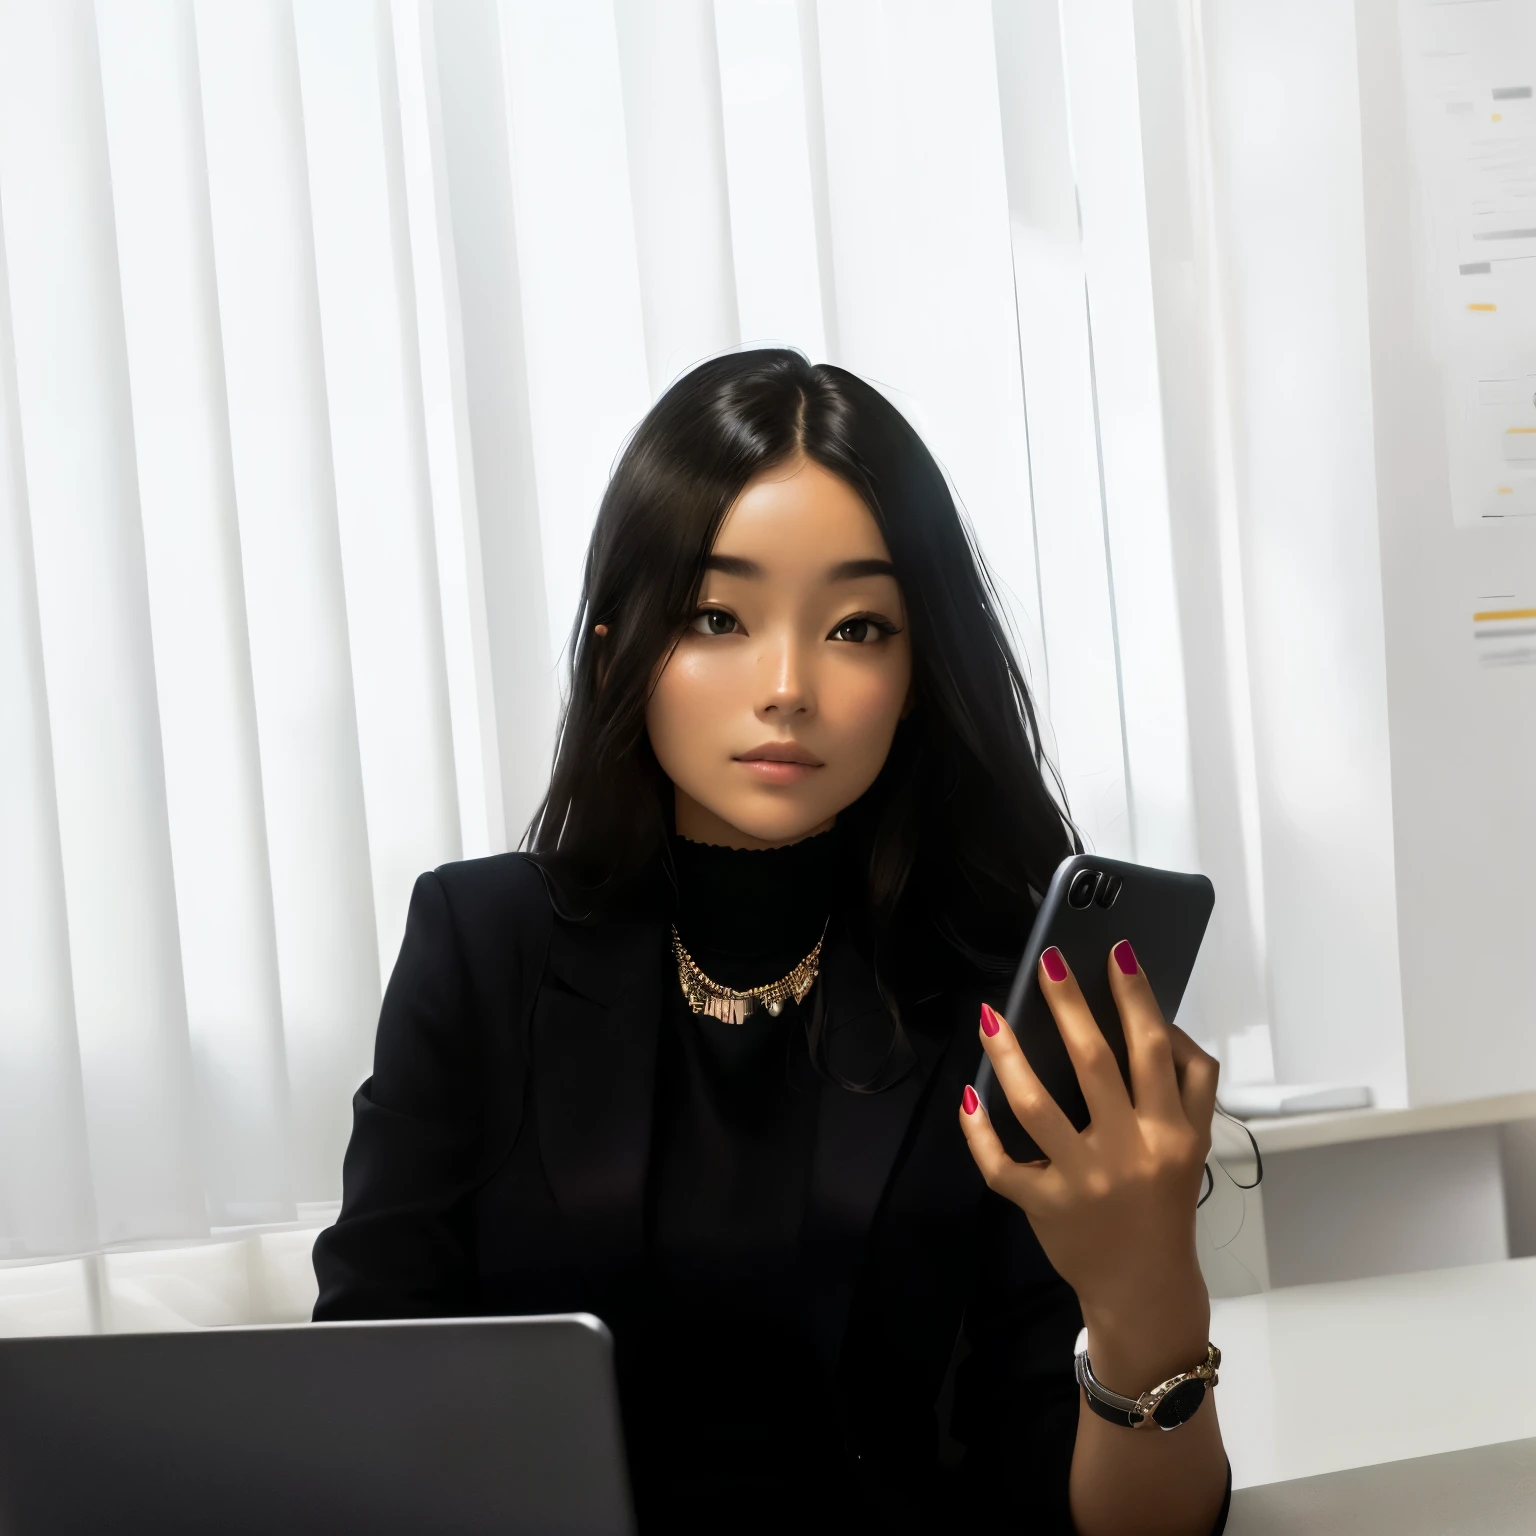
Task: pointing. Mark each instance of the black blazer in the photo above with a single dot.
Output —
(498, 1165)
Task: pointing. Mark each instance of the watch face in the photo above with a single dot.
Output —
(1180, 1404)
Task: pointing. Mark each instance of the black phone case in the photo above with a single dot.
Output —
(1162, 913)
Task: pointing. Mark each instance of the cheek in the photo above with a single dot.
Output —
(689, 701)
(869, 693)
(863, 704)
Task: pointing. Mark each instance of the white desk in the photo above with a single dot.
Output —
(1322, 1378)
(1490, 1491)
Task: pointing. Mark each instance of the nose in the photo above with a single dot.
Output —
(785, 686)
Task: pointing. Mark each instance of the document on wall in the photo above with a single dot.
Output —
(1470, 79)
(1504, 628)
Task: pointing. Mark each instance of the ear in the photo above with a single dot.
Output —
(909, 704)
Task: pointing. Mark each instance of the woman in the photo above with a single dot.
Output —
(695, 1063)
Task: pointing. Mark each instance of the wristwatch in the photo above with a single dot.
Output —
(1165, 1406)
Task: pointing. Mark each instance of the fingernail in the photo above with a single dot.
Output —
(969, 1101)
(1055, 966)
(990, 1023)
(1125, 957)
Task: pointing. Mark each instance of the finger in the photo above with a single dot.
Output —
(1154, 1084)
(1028, 1098)
(1198, 1072)
(1028, 1185)
(1098, 1073)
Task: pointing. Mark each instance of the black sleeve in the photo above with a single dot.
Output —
(1015, 1405)
(1016, 1398)
(1226, 1505)
(399, 1247)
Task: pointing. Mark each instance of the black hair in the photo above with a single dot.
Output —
(960, 831)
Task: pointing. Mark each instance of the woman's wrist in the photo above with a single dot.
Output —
(1144, 1339)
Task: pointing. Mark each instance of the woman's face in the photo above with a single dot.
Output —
(777, 707)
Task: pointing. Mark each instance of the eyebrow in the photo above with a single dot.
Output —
(733, 565)
(847, 570)
(852, 570)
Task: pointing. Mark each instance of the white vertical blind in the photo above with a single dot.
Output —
(466, 90)
(1099, 59)
(674, 131)
(1193, 359)
(466, 652)
(77, 444)
(285, 491)
(1291, 226)
(583, 332)
(1055, 359)
(920, 242)
(321, 324)
(771, 173)
(45, 1176)
(378, 437)
(197, 607)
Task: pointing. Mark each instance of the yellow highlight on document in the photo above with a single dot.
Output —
(1489, 307)
(1503, 613)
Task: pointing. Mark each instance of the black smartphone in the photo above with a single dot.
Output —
(1092, 904)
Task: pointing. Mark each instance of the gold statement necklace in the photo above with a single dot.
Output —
(732, 1007)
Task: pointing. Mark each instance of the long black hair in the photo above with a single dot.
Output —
(960, 831)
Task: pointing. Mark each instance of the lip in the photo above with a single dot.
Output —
(779, 762)
(780, 752)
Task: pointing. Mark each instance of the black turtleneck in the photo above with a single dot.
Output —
(736, 1102)
(750, 915)
(734, 1381)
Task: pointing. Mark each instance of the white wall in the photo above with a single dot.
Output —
(1463, 736)
(1392, 773)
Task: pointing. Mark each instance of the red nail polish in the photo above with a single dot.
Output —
(1125, 957)
(969, 1101)
(1055, 966)
(990, 1023)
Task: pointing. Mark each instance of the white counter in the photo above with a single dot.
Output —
(1290, 1133)
(1489, 1491)
(1319, 1378)
(1373, 1192)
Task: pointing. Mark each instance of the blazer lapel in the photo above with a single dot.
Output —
(594, 1045)
(859, 1137)
(594, 1071)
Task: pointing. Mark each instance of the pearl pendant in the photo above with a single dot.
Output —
(775, 1008)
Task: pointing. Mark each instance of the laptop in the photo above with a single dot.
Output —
(507, 1425)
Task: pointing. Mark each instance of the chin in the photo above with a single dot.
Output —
(781, 825)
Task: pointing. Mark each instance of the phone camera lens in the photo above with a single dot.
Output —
(1080, 892)
(1109, 888)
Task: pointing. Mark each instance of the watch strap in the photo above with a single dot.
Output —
(1166, 1406)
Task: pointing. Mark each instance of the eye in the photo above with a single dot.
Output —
(714, 621)
(863, 629)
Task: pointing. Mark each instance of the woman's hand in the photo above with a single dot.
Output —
(1113, 1205)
